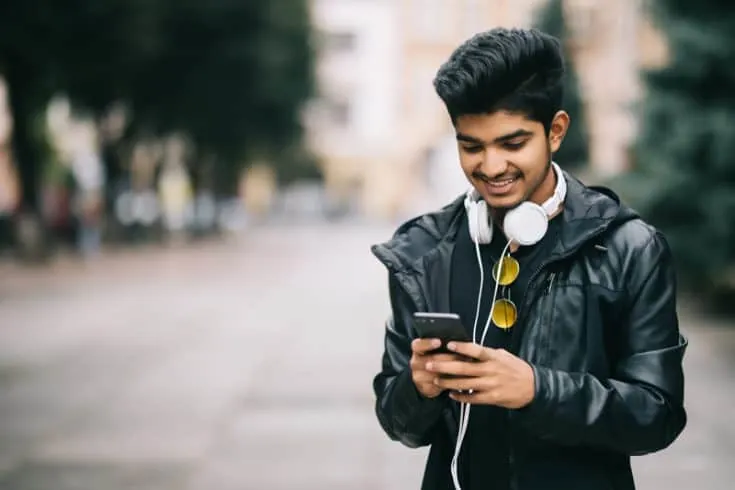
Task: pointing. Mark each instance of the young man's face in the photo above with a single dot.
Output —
(506, 156)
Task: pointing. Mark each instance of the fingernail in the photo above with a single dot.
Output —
(436, 343)
(452, 346)
(436, 381)
(429, 366)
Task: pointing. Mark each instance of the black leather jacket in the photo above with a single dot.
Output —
(600, 331)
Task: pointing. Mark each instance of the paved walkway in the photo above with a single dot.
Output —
(247, 365)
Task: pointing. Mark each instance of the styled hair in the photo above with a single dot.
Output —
(517, 70)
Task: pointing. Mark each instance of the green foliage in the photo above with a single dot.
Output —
(683, 179)
(574, 151)
(231, 75)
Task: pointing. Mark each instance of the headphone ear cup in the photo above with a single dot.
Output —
(481, 230)
(526, 224)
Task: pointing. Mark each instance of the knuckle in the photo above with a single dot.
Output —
(496, 396)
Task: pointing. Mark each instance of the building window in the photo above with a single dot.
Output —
(328, 112)
(583, 20)
(337, 42)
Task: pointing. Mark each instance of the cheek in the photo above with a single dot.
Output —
(531, 159)
(468, 162)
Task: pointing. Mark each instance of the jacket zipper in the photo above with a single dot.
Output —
(511, 451)
(548, 286)
(524, 307)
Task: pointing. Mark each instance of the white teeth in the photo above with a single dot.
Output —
(501, 182)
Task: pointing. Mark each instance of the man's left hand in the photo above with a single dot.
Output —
(494, 377)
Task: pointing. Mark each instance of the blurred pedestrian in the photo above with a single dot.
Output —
(89, 179)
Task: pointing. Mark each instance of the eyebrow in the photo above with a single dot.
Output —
(500, 139)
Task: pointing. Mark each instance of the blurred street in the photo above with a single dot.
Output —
(248, 365)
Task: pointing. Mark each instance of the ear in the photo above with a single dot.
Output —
(558, 130)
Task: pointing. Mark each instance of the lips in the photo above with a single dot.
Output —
(499, 187)
(501, 183)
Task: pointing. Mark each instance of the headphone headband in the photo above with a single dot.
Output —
(553, 203)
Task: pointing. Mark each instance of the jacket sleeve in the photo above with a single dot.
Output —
(640, 409)
(404, 414)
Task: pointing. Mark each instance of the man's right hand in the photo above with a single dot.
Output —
(421, 355)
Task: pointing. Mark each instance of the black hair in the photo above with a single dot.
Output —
(517, 70)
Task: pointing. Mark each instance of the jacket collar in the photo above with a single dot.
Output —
(588, 212)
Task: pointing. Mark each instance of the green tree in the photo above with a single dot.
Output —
(231, 75)
(49, 46)
(574, 152)
(683, 178)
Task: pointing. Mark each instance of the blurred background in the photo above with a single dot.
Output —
(189, 190)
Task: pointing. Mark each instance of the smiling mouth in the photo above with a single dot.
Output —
(499, 187)
(501, 183)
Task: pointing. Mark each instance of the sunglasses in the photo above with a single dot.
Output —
(504, 312)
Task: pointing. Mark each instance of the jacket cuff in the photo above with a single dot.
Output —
(412, 408)
(538, 411)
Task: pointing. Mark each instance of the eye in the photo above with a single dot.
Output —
(472, 149)
(514, 145)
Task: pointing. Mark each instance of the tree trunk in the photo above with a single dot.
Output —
(26, 101)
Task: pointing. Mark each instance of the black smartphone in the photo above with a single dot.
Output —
(443, 326)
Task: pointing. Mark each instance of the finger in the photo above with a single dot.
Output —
(417, 363)
(464, 397)
(458, 384)
(488, 397)
(472, 350)
(442, 357)
(422, 346)
(457, 368)
(424, 377)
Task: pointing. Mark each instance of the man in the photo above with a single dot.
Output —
(583, 368)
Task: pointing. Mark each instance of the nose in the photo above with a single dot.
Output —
(493, 164)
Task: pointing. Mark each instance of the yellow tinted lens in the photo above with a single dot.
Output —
(509, 269)
(504, 314)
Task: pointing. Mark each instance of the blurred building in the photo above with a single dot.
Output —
(611, 42)
(382, 131)
(432, 29)
(354, 119)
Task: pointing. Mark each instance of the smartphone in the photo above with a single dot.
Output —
(443, 326)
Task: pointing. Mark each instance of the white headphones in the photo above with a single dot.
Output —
(525, 224)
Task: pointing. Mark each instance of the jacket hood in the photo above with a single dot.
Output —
(588, 213)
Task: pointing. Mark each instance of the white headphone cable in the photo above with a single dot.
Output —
(464, 409)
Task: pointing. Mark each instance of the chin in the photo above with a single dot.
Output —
(502, 197)
(508, 201)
